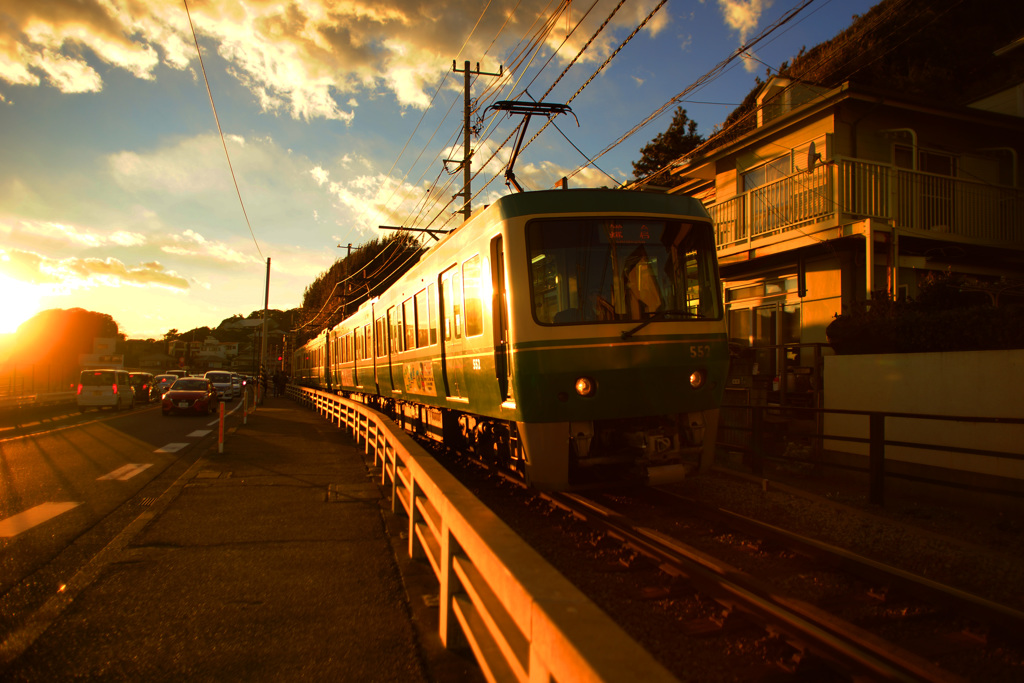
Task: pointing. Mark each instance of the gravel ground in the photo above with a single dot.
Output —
(977, 550)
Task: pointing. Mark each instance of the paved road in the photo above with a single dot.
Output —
(270, 561)
(59, 478)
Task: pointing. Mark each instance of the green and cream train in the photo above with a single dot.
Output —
(575, 337)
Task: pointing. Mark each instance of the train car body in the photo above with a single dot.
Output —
(574, 336)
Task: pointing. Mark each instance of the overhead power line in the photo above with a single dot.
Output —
(219, 131)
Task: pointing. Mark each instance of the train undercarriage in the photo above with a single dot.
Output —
(567, 455)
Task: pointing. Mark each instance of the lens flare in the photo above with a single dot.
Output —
(20, 302)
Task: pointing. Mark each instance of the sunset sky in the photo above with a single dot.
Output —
(116, 195)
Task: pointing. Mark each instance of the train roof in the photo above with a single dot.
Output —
(585, 200)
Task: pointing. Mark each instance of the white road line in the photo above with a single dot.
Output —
(126, 472)
(171, 448)
(23, 521)
(200, 432)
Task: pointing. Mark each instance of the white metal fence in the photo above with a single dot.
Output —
(523, 620)
(848, 189)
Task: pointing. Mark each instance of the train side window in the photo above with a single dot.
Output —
(451, 290)
(367, 341)
(396, 339)
(471, 294)
(447, 309)
(457, 304)
(409, 313)
(432, 312)
(359, 346)
(422, 319)
(381, 337)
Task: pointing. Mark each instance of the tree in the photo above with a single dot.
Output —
(59, 336)
(359, 276)
(680, 137)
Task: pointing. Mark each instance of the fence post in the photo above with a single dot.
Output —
(756, 441)
(876, 463)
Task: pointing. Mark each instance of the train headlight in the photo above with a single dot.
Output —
(585, 386)
(697, 379)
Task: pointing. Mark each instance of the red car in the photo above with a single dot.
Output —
(191, 396)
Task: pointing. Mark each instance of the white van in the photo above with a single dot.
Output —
(222, 383)
(105, 388)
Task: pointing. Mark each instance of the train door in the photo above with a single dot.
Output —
(451, 324)
(499, 320)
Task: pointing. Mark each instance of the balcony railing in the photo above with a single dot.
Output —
(846, 190)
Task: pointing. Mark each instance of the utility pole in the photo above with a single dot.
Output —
(466, 194)
(263, 345)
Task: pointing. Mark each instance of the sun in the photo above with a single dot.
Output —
(20, 301)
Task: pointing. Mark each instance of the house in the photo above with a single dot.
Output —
(838, 194)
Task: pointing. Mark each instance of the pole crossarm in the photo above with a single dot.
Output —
(527, 109)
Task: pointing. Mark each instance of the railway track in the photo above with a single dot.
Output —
(808, 629)
(806, 609)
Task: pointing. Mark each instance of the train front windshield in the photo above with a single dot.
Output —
(624, 270)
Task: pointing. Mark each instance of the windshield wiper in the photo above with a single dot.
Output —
(658, 316)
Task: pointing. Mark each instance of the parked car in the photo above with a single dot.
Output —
(142, 383)
(164, 382)
(190, 396)
(222, 383)
(104, 388)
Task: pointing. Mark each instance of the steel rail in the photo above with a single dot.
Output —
(806, 626)
(1009, 620)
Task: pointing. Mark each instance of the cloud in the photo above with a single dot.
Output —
(64, 234)
(82, 273)
(307, 60)
(319, 175)
(191, 244)
(188, 166)
(743, 16)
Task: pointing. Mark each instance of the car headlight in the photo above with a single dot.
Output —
(585, 386)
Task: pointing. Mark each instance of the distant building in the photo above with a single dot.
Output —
(104, 355)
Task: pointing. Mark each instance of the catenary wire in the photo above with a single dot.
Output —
(219, 130)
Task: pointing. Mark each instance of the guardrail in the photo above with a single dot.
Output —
(523, 620)
(37, 400)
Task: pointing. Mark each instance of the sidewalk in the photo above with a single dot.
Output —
(267, 562)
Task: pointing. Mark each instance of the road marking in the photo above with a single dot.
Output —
(171, 448)
(23, 521)
(126, 472)
(200, 432)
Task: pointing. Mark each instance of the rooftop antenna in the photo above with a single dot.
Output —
(527, 109)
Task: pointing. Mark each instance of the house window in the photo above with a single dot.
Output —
(776, 169)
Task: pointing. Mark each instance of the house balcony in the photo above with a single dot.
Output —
(836, 194)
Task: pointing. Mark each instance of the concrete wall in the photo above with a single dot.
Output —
(966, 383)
